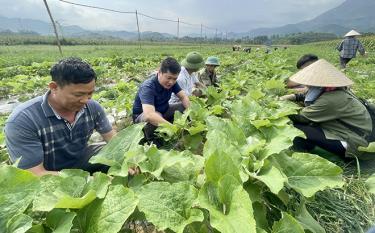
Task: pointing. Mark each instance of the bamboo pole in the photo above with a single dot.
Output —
(178, 28)
(139, 33)
(54, 27)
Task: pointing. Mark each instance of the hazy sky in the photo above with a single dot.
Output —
(234, 15)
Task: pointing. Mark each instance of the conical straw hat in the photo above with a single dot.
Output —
(352, 33)
(321, 74)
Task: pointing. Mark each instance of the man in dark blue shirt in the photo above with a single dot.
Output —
(151, 102)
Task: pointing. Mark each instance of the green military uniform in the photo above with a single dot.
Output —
(339, 104)
(207, 78)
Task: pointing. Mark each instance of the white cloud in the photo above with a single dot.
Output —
(235, 15)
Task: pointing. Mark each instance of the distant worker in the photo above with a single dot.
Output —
(303, 62)
(207, 76)
(348, 48)
(247, 50)
(236, 47)
(187, 79)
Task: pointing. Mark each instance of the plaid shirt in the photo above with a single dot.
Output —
(187, 83)
(36, 134)
(349, 46)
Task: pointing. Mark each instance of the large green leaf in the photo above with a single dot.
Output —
(308, 173)
(307, 221)
(36, 229)
(113, 153)
(231, 129)
(60, 221)
(109, 214)
(219, 165)
(132, 158)
(235, 214)
(19, 224)
(172, 166)
(370, 148)
(287, 224)
(73, 189)
(99, 183)
(169, 205)
(18, 189)
(219, 141)
(370, 183)
(279, 139)
(272, 177)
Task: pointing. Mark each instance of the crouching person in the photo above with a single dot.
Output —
(151, 102)
(51, 132)
(333, 118)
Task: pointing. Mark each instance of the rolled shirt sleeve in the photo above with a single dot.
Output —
(102, 124)
(146, 95)
(23, 143)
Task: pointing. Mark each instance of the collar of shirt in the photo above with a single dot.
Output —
(159, 87)
(50, 112)
(208, 72)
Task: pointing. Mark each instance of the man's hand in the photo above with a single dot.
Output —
(291, 97)
(134, 171)
(197, 92)
(184, 99)
(39, 170)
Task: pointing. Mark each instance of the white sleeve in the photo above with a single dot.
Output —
(196, 80)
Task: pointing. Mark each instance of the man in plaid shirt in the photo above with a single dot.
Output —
(348, 48)
(51, 132)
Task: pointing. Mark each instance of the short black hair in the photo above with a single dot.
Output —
(170, 65)
(72, 70)
(305, 59)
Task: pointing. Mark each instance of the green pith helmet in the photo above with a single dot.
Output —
(213, 61)
(193, 61)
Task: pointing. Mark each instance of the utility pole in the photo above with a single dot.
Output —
(60, 29)
(54, 27)
(139, 33)
(201, 35)
(216, 35)
(178, 28)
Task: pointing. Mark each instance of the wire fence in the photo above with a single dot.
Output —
(179, 24)
(138, 15)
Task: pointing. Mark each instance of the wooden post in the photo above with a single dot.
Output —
(54, 27)
(139, 33)
(178, 28)
(216, 39)
(201, 35)
(60, 30)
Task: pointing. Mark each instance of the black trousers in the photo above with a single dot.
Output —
(344, 61)
(315, 137)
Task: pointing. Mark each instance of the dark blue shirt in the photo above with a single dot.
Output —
(151, 92)
(35, 134)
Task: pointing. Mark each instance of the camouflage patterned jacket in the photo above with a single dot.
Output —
(207, 78)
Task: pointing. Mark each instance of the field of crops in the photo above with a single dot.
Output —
(225, 166)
